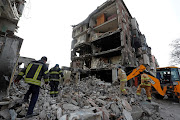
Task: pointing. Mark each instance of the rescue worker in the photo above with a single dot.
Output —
(54, 77)
(123, 80)
(33, 74)
(146, 84)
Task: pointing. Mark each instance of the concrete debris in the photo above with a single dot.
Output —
(4, 103)
(126, 105)
(59, 112)
(136, 112)
(13, 114)
(70, 107)
(115, 109)
(127, 115)
(90, 99)
(5, 114)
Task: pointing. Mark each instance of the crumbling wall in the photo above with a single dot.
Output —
(10, 12)
(9, 53)
(124, 20)
(22, 62)
(11, 9)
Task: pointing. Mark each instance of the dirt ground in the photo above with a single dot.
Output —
(169, 108)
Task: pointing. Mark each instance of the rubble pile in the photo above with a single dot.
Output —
(90, 99)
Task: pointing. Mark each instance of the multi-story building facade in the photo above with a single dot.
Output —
(110, 36)
(10, 44)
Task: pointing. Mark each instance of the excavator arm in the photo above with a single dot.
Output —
(154, 81)
(136, 72)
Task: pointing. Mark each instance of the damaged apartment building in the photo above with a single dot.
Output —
(10, 44)
(108, 37)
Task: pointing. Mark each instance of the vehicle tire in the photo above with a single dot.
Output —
(158, 96)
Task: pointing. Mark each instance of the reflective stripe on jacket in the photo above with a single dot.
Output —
(145, 80)
(54, 74)
(34, 72)
(122, 75)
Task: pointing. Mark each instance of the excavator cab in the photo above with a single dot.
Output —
(166, 81)
(168, 75)
(169, 78)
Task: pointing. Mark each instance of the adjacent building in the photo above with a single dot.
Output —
(10, 44)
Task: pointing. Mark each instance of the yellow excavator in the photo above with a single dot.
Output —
(166, 82)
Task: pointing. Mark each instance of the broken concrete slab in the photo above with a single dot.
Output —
(149, 108)
(127, 115)
(126, 105)
(13, 114)
(70, 107)
(59, 112)
(115, 109)
(42, 115)
(4, 102)
(100, 101)
(136, 112)
(5, 114)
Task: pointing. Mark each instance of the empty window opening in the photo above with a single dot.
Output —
(22, 65)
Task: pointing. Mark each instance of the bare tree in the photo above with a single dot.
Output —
(175, 53)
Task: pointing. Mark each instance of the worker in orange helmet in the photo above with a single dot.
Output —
(146, 84)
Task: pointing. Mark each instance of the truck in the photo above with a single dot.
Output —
(166, 81)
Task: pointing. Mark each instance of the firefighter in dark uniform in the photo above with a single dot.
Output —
(54, 77)
(33, 74)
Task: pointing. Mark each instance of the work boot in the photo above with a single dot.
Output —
(55, 95)
(148, 100)
(31, 115)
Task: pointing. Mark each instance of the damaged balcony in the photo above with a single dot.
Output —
(107, 26)
(108, 45)
(79, 31)
(80, 35)
(105, 20)
(82, 51)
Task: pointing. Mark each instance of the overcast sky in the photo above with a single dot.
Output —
(46, 28)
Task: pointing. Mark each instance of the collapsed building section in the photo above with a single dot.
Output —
(22, 63)
(110, 36)
(10, 44)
